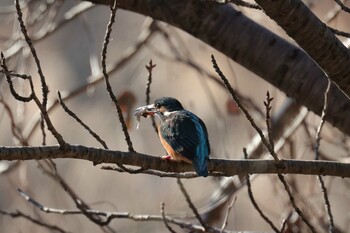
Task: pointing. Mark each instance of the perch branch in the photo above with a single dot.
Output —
(215, 166)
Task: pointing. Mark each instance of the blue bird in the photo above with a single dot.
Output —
(183, 134)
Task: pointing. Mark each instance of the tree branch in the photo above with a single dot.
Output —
(254, 47)
(301, 24)
(224, 167)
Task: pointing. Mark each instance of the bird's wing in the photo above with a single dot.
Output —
(180, 132)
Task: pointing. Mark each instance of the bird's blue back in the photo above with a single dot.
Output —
(187, 134)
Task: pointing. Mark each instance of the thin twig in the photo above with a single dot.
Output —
(80, 204)
(339, 33)
(267, 104)
(16, 131)
(162, 211)
(252, 199)
(292, 200)
(342, 6)
(44, 87)
(228, 214)
(111, 68)
(323, 119)
(317, 146)
(34, 97)
(8, 75)
(149, 68)
(106, 77)
(19, 214)
(264, 141)
(117, 215)
(72, 114)
(191, 205)
(246, 113)
(42, 127)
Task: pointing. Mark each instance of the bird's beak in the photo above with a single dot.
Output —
(145, 111)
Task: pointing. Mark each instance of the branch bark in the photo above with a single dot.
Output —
(301, 24)
(215, 166)
(272, 58)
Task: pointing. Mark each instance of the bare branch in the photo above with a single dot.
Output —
(111, 68)
(246, 113)
(342, 6)
(44, 87)
(268, 107)
(317, 146)
(162, 211)
(191, 205)
(8, 75)
(106, 77)
(72, 114)
(34, 97)
(120, 215)
(252, 199)
(221, 166)
(149, 68)
(292, 201)
(19, 214)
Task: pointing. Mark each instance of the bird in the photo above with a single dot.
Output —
(183, 135)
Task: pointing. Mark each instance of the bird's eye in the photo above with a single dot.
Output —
(157, 105)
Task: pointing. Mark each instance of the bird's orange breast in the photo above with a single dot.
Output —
(175, 156)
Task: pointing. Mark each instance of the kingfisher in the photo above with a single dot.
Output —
(183, 135)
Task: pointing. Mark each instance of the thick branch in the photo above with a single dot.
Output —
(254, 47)
(224, 167)
(301, 24)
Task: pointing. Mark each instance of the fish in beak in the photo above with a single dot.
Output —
(144, 111)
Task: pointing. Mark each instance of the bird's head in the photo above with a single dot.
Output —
(161, 106)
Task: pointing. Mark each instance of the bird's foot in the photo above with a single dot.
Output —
(167, 157)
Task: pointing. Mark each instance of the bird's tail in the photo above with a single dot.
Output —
(200, 166)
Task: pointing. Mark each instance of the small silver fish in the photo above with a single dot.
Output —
(144, 111)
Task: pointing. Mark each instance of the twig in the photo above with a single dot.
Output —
(342, 6)
(247, 115)
(264, 141)
(339, 33)
(117, 215)
(72, 114)
(317, 146)
(44, 87)
(111, 68)
(149, 68)
(327, 204)
(267, 104)
(34, 97)
(162, 211)
(19, 214)
(80, 204)
(106, 77)
(191, 205)
(8, 75)
(42, 127)
(16, 132)
(228, 214)
(292, 200)
(252, 199)
(331, 15)
(323, 118)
